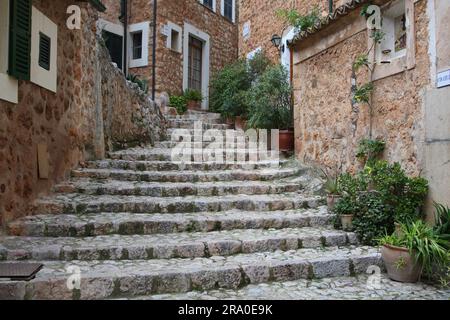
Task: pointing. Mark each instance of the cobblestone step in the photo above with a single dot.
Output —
(197, 116)
(133, 223)
(170, 166)
(168, 189)
(169, 246)
(115, 279)
(187, 176)
(82, 204)
(359, 287)
(198, 155)
(189, 124)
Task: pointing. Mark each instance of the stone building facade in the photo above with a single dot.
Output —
(74, 107)
(194, 39)
(409, 108)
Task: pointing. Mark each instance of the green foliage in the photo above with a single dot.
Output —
(362, 93)
(370, 149)
(192, 95)
(301, 22)
(350, 185)
(361, 61)
(403, 195)
(364, 10)
(258, 65)
(229, 89)
(373, 219)
(270, 100)
(424, 244)
(377, 36)
(442, 225)
(143, 84)
(346, 206)
(179, 103)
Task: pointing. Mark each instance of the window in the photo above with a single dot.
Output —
(44, 51)
(138, 44)
(228, 9)
(44, 37)
(396, 52)
(114, 43)
(9, 85)
(394, 27)
(195, 63)
(211, 4)
(174, 37)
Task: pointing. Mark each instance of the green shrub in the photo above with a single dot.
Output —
(193, 95)
(228, 90)
(373, 219)
(442, 223)
(270, 100)
(301, 22)
(179, 103)
(258, 65)
(143, 84)
(370, 149)
(350, 185)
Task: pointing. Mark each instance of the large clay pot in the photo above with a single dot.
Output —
(332, 199)
(194, 105)
(400, 265)
(286, 140)
(240, 123)
(347, 221)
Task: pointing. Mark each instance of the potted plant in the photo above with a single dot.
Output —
(332, 190)
(270, 104)
(193, 98)
(417, 249)
(346, 209)
(179, 103)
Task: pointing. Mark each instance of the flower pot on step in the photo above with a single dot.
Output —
(240, 123)
(400, 264)
(194, 105)
(347, 221)
(332, 199)
(286, 140)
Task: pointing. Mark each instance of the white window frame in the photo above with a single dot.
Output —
(203, 36)
(9, 86)
(405, 60)
(214, 8)
(143, 27)
(222, 10)
(38, 75)
(172, 26)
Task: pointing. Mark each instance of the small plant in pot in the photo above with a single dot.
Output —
(332, 190)
(194, 99)
(416, 250)
(346, 209)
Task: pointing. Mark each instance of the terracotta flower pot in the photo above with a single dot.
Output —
(332, 199)
(229, 121)
(347, 221)
(240, 123)
(400, 264)
(286, 140)
(193, 105)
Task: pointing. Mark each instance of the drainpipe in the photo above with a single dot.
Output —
(330, 6)
(125, 39)
(155, 8)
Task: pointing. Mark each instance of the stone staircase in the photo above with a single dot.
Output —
(137, 225)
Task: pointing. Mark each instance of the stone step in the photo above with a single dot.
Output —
(169, 189)
(188, 176)
(169, 144)
(359, 287)
(197, 116)
(115, 279)
(82, 204)
(133, 223)
(169, 246)
(190, 124)
(170, 166)
(200, 155)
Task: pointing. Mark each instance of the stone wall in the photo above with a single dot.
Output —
(70, 122)
(261, 14)
(323, 114)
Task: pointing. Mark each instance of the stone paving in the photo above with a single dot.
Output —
(339, 288)
(138, 225)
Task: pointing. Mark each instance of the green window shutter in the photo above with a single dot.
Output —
(20, 39)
